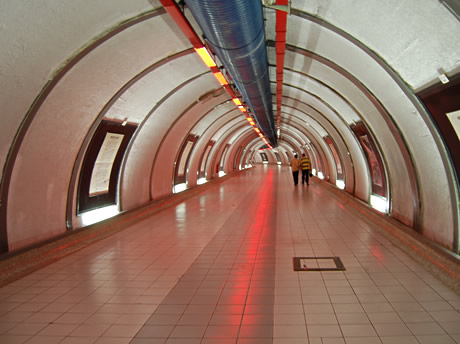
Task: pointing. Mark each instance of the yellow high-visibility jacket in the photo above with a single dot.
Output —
(305, 164)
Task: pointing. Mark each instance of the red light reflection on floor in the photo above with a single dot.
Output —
(377, 252)
(260, 244)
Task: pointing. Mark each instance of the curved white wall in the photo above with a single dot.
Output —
(344, 63)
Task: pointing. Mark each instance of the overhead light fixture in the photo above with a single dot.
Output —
(205, 56)
(272, 4)
(220, 77)
(444, 79)
(237, 101)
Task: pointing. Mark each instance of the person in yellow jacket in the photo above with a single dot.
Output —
(305, 166)
(295, 164)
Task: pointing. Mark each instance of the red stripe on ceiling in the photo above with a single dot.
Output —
(174, 11)
(281, 25)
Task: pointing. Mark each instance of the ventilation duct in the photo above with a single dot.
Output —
(234, 29)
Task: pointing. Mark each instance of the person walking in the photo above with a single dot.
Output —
(295, 163)
(305, 166)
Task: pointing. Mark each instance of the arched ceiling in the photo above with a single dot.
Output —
(66, 65)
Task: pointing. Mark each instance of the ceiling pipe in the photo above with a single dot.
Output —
(234, 30)
(178, 16)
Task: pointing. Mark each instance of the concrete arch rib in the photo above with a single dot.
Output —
(357, 176)
(201, 108)
(219, 118)
(287, 149)
(253, 153)
(108, 112)
(249, 155)
(283, 153)
(53, 107)
(182, 108)
(402, 113)
(392, 146)
(298, 117)
(224, 144)
(348, 108)
(323, 156)
(240, 146)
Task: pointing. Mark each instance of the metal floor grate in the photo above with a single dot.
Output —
(318, 264)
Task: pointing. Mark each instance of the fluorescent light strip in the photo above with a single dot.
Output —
(220, 78)
(207, 59)
(237, 101)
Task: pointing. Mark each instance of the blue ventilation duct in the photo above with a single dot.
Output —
(234, 29)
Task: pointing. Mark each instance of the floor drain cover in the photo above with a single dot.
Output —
(318, 264)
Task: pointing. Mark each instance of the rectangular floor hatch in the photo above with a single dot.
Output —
(318, 264)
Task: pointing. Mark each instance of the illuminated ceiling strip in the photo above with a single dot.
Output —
(206, 57)
(237, 101)
(281, 26)
(221, 79)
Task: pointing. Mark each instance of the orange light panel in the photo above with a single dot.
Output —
(207, 59)
(251, 122)
(257, 130)
(220, 77)
(242, 108)
(237, 101)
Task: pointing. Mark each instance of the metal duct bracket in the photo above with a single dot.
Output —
(272, 4)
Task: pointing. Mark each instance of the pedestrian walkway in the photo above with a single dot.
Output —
(218, 268)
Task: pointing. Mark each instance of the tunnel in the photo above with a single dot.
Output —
(147, 195)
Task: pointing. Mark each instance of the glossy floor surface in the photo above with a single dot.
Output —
(218, 268)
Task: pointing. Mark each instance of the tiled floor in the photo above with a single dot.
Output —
(218, 268)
